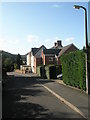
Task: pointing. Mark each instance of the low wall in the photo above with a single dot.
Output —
(20, 71)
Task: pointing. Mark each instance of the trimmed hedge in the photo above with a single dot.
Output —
(73, 69)
(49, 71)
(41, 71)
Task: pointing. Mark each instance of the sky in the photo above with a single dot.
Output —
(31, 24)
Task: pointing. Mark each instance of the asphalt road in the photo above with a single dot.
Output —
(24, 97)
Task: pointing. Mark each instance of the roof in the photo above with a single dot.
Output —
(51, 51)
(27, 53)
(39, 49)
(58, 47)
(64, 49)
(34, 50)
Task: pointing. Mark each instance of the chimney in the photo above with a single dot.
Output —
(59, 43)
(55, 44)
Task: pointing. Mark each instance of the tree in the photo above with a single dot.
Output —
(8, 64)
(18, 61)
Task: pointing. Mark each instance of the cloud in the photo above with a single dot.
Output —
(48, 40)
(32, 38)
(56, 6)
(12, 42)
(70, 39)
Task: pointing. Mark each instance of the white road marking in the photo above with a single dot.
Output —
(64, 101)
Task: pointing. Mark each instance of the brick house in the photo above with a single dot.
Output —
(38, 57)
(52, 56)
(65, 50)
(43, 56)
(48, 56)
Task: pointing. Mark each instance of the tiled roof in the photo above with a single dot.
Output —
(64, 49)
(58, 47)
(39, 49)
(34, 50)
(51, 51)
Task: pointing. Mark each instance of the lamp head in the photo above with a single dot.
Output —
(76, 6)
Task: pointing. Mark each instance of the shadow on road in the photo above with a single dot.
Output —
(16, 104)
(13, 102)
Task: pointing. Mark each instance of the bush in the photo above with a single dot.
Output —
(8, 65)
(15, 66)
(38, 70)
(50, 72)
(73, 69)
(41, 71)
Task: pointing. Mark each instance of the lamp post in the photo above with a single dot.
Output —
(78, 7)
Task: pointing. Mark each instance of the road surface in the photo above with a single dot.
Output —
(23, 96)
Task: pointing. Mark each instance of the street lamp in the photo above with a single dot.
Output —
(78, 7)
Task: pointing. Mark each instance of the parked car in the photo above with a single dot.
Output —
(59, 76)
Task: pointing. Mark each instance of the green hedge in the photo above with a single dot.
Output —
(73, 69)
(49, 71)
(41, 71)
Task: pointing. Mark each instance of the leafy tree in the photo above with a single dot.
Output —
(8, 64)
(18, 61)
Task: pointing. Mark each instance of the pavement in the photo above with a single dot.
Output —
(74, 98)
(77, 99)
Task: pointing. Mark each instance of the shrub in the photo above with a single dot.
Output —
(50, 72)
(73, 69)
(15, 66)
(41, 71)
(8, 64)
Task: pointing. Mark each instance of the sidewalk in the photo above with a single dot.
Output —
(73, 95)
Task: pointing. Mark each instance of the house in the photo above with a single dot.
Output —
(48, 56)
(65, 50)
(34, 57)
(38, 58)
(28, 58)
(44, 56)
(52, 56)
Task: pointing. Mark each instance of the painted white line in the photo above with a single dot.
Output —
(65, 101)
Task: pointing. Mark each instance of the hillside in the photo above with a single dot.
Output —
(12, 56)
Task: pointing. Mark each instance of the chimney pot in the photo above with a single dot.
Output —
(59, 43)
(55, 44)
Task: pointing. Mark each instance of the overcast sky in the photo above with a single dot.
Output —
(32, 24)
